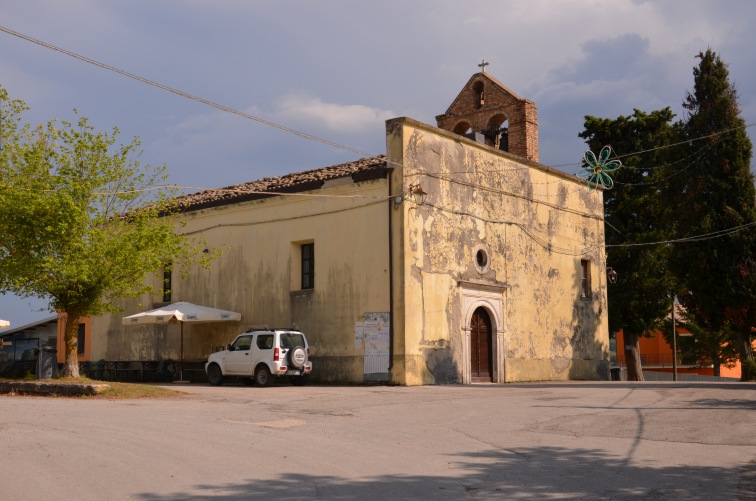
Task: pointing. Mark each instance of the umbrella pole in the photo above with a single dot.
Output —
(181, 357)
(181, 362)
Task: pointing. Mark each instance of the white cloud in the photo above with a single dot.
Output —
(302, 108)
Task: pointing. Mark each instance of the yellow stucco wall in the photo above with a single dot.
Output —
(258, 276)
(535, 224)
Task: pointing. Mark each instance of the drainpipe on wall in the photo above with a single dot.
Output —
(391, 271)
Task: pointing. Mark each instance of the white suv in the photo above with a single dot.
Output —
(256, 356)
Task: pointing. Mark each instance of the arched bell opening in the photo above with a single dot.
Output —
(497, 132)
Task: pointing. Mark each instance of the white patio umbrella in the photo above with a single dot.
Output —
(182, 312)
(4, 324)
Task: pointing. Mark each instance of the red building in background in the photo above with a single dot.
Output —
(656, 356)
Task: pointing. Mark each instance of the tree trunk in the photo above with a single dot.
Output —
(71, 338)
(746, 355)
(716, 364)
(632, 356)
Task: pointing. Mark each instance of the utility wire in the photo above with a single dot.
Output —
(212, 190)
(184, 94)
(694, 238)
(279, 126)
(347, 148)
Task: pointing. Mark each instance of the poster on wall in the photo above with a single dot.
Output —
(376, 336)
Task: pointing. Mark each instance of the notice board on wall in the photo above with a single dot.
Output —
(376, 335)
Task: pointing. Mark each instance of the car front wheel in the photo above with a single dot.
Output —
(262, 376)
(214, 375)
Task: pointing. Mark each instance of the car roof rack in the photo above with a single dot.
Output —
(271, 329)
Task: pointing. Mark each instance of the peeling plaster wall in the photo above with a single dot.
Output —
(259, 241)
(535, 224)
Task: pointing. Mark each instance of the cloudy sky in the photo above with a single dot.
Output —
(337, 69)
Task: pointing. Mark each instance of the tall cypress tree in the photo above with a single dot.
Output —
(714, 195)
(635, 214)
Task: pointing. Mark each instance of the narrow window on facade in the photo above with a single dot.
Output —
(585, 270)
(167, 283)
(479, 95)
(81, 338)
(308, 266)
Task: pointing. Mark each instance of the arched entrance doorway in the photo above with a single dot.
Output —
(481, 347)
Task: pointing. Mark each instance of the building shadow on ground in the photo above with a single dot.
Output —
(523, 473)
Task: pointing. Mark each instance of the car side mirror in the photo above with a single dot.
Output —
(229, 347)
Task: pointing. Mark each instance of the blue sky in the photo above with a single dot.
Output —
(337, 69)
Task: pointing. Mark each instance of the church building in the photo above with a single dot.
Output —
(454, 258)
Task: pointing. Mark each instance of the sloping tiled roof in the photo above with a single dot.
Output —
(360, 170)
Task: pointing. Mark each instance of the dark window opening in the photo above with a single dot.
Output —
(504, 139)
(585, 267)
(81, 338)
(481, 258)
(479, 97)
(167, 284)
(308, 266)
(497, 133)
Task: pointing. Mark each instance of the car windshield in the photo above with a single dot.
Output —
(290, 340)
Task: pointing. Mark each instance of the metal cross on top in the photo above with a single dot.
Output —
(483, 65)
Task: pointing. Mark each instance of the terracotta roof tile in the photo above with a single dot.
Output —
(289, 183)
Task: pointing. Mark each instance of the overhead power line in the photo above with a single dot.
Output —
(284, 128)
(184, 94)
(360, 152)
(694, 238)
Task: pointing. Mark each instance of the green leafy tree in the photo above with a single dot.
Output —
(702, 347)
(635, 214)
(82, 221)
(716, 194)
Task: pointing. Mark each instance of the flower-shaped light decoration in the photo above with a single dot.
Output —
(597, 170)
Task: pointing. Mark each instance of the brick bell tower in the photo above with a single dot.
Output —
(488, 112)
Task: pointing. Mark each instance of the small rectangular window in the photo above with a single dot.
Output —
(81, 338)
(308, 266)
(585, 267)
(167, 283)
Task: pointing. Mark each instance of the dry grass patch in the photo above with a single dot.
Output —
(115, 390)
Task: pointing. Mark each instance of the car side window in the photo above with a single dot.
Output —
(244, 343)
(265, 341)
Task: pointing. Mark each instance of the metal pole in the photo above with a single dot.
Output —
(181, 366)
(674, 342)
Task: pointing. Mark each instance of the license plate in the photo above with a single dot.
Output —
(292, 373)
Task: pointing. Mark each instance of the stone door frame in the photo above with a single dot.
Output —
(491, 298)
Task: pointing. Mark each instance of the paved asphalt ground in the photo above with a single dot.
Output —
(579, 440)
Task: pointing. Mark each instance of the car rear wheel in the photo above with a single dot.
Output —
(262, 376)
(214, 375)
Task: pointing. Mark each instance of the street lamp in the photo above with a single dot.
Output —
(611, 275)
(418, 194)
